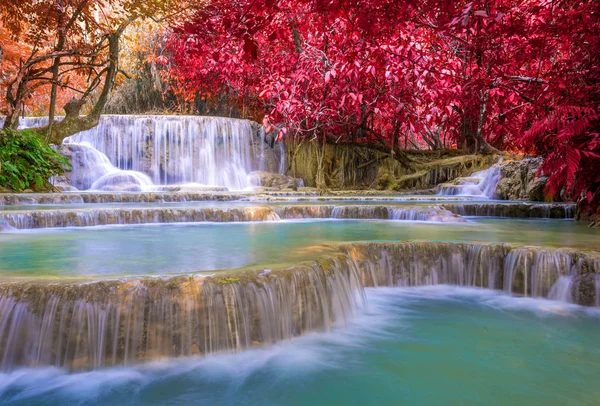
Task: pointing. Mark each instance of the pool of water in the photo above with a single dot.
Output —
(435, 346)
(185, 248)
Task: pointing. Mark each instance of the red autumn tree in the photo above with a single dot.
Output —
(397, 75)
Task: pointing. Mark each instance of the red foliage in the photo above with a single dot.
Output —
(410, 74)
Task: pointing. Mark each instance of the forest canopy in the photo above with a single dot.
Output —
(483, 76)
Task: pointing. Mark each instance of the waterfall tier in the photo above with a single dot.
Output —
(108, 216)
(481, 184)
(80, 326)
(133, 153)
(118, 322)
(31, 219)
(16, 199)
(524, 271)
(515, 210)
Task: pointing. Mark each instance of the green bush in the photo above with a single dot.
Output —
(26, 161)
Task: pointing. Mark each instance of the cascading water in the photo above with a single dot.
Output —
(119, 322)
(561, 290)
(540, 273)
(520, 210)
(481, 184)
(31, 219)
(80, 326)
(139, 152)
(208, 151)
(91, 169)
(597, 286)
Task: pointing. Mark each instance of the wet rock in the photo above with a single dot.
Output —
(191, 188)
(519, 180)
(514, 210)
(274, 180)
(61, 183)
(585, 290)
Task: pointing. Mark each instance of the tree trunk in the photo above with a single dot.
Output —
(320, 178)
(55, 68)
(480, 142)
(73, 122)
(294, 164)
(53, 90)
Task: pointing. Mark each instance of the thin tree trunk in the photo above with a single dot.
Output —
(320, 178)
(73, 122)
(481, 145)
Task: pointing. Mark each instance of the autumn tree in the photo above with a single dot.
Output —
(70, 45)
(397, 75)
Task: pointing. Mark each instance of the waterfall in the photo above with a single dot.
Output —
(540, 273)
(91, 169)
(558, 274)
(120, 322)
(163, 150)
(32, 219)
(425, 263)
(83, 326)
(422, 213)
(109, 216)
(561, 290)
(371, 212)
(480, 184)
(514, 210)
(171, 149)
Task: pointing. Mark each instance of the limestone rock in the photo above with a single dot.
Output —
(274, 180)
(62, 184)
(520, 181)
(191, 188)
(584, 289)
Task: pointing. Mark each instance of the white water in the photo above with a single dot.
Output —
(92, 170)
(141, 152)
(480, 184)
(561, 290)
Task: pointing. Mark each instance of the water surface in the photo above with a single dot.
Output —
(184, 248)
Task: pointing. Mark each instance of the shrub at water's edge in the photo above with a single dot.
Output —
(27, 162)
